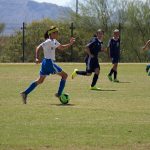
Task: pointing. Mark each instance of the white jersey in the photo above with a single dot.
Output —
(49, 47)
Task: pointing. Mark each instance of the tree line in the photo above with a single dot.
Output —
(132, 18)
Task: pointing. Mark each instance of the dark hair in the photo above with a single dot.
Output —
(46, 36)
(94, 35)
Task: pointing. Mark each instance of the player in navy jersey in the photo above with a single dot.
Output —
(92, 64)
(147, 47)
(114, 52)
(48, 63)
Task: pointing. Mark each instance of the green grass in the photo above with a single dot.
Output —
(116, 118)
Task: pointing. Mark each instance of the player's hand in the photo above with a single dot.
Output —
(144, 48)
(104, 49)
(37, 61)
(91, 55)
(72, 40)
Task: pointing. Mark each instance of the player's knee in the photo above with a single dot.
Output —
(97, 71)
(39, 82)
(88, 74)
(65, 76)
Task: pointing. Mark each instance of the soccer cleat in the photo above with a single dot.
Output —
(56, 94)
(109, 77)
(74, 74)
(24, 97)
(116, 80)
(95, 88)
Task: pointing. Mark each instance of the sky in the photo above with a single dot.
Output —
(58, 2)
(62, 2)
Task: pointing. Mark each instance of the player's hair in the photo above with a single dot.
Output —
(46, 36)
(116, 30)
(100, 30)
(52, 30)
(94, 35)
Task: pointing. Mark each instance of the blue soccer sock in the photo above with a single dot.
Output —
(30, 88)
(61, 86)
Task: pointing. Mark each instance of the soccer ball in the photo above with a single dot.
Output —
(64, 98)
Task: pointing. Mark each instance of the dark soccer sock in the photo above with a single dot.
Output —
(95, 78)
(147, 67)
(61, 86)
(30, 88)
(111, 72)
(84, 73)
(115, 75)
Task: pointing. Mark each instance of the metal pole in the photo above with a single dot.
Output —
(77, 7)
(23, 41)
(119, 28)
(72, 28)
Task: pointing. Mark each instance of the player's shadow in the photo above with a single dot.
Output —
(63, 105)
(104, 90)
(123, 82)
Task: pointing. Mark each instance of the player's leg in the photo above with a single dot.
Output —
(115, 66)
(95, 78)
(147, 68)
(55, 69)
(83, 73)
(95, 67)
(64, 76)
(31, 87)
(110, 74)
(111, 71)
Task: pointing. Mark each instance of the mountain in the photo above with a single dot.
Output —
(15, 12)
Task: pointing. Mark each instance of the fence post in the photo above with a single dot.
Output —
(72, 29)
(23, 41)
(77, 3)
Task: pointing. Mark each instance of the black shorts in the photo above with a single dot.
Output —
(115, 60)
(91, 64)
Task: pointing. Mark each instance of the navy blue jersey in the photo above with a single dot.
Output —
(95, 46)
(114, 46)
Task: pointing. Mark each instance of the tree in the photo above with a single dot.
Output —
(2, 26)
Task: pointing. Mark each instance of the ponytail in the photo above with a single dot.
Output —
(46, 36)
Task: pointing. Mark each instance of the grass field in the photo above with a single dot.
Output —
(115, 118)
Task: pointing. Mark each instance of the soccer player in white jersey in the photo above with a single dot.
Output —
(48, 63)
(147, 47)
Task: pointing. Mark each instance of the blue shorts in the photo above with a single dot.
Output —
(49, 67)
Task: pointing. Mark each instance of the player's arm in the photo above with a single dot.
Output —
(103, 49)
(107, 50)
(88, 46)
(37, 54)
(87, 50)
(65, 46)
(146, 45)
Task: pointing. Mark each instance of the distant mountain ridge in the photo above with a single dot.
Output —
(18, 11)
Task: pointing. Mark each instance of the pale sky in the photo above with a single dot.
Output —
(58, 2)
(68, 3)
